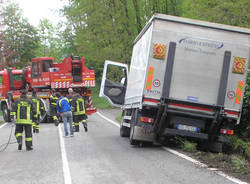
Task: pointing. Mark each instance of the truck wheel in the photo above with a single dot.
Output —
(124, 131)
(215, 147)
(6, 113)
(43, 118)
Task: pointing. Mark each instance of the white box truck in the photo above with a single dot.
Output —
(186, 78)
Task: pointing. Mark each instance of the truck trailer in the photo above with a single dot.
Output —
(186, 78)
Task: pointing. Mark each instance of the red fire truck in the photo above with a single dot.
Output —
(44, 75)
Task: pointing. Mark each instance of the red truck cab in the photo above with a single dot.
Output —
(40, 74)
(11, 81)
(6, 84)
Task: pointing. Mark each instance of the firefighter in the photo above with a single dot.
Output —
(79, 112)
(52, 102)
(37, 102)
(23, 109)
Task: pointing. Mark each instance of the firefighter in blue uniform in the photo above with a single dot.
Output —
(22, 109)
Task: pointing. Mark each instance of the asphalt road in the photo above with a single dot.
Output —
(98, 156)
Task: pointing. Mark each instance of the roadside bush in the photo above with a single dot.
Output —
(240, 146)
(239, 163)
(241, 141)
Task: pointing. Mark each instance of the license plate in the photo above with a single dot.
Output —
(187, 127)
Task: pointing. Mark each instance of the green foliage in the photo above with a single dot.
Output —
(119, 117)
(98, 102)
(239, 162)
(188, 146)
(115, 74)
(51, 43)
(19, 37)
(105, 29)
(231, 12)
(240, 146)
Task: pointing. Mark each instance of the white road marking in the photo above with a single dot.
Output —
(185, 157)
(116, 124)
(235, 180)
(3, 125)
(66, 171)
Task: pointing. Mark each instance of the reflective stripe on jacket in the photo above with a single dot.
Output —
(23, 109)
(52, 100)
(80, 109)
(37, 104)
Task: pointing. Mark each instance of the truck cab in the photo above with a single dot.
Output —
(11, 81)
(40, 73)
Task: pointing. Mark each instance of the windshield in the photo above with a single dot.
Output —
(46, 64)
(17, 77)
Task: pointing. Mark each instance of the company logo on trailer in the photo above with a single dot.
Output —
(211, 44)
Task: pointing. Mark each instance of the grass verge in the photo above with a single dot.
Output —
(99, 102)
(119, 117)
(236, 163)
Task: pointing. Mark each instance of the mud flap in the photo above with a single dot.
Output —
(144, 133)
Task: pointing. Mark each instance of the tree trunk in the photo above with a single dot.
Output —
(137, 14)
(166, 6)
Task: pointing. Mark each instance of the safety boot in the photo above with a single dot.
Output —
(56, 122)
(29, 148)
(76, 129)
(19, 147)
(85, 127)
(34, 130)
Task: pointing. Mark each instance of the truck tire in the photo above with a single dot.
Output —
(6, 113)
(215, 147)
(124, 131)
(132, 129)
(43, 118)
(44, 114)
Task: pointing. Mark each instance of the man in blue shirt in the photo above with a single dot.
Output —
(64, 108)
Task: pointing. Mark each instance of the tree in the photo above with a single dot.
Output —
(231, 12)
(50, 43)
(111, 38)
(19, 38)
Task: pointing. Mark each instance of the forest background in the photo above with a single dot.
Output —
(102, 30)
